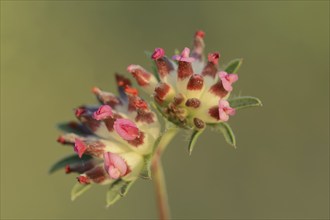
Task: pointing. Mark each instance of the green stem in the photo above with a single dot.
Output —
(158, 174)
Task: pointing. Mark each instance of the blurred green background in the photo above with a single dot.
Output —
(54, 52)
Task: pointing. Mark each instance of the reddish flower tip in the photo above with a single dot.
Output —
(200, 34)
(141, 75)
(79, 112)
(213, 58)
(131, 90)
(158, 53)
(96, 90)
(104, 112)
(126, 129)
(79, 147)
(199, 123)
(184, 56)
(193, 103)
(122, 81)
(141, 104)
(161, 90)
(195, 82)
(61, 140)
(67, 169)
(83, 180)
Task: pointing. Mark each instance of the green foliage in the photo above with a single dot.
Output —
(117, 190)
(233, 66)
(78, 189)
(146, 170)
(227, 132)
(193, 140)
(67, 161)
(244, 102)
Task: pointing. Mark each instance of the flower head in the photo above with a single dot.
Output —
(115, 136)
(116, 141)
(190, 88)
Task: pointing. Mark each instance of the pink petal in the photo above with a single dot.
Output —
(232, 78)
(185, 53)
(176, 57)
(114, 173)
(79, 147)
(225, 110)
(119, 163)
(227, 85)
(222, 74)
(187, 59)
(184, 56)
(126, 129)
(230, 111)
(225, 82)
(115, 165)
(213, 58)
(223, 116)
(105, 111)
(158, 53)
(223, 104)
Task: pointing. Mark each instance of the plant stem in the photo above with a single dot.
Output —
(158, 176)
(160, 188)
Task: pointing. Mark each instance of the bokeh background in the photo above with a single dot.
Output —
(54, 52)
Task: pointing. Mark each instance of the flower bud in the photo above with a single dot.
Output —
(104, 112)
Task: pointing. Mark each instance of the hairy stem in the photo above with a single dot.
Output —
(158, 174)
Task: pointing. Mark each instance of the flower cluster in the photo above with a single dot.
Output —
(191, 92)
(111, 139)
(114, 142)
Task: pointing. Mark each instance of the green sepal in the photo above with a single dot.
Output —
(244, 102)
(233, 66)
(193, 140)
(227, 132)
(117, 190)
(67, 161)
(78, 189)
(146, 169)
(153, 65)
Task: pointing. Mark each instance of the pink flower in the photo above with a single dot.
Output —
(227, 80)
(184, 56)
(104, 111)
(79, 147)
(225, 110)
(115, 166)
(200, 34)
(158, 53)
(213, 58)
(126, 129)
(83, 180)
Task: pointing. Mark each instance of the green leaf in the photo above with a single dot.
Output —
(233, 66)
(244, 102)
(68, 160)
(146, 170)
(117, 190)
(153, 65)
(227, 132)
(193, 139)
(78, 189)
